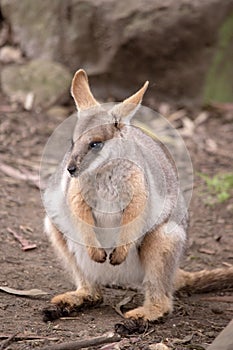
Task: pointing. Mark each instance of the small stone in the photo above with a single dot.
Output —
(9, 54)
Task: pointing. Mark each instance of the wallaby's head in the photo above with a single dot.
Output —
(96, 126)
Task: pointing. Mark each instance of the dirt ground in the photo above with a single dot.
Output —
(196, 320)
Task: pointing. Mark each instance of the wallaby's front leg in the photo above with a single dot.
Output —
(85, 293)
(159, 253)
(83, 219)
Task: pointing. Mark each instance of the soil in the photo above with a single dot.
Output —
(196, 319)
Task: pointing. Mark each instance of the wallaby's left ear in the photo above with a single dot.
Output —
(81, 92)
(128, 107)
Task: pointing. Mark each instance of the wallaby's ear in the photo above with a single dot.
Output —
(128, 107)
(81, 92)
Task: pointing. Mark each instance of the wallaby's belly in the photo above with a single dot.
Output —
(129, 273)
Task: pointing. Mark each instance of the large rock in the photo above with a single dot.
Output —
(46, 81)
(123, 43)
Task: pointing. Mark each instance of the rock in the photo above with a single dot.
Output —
(9, 54)
(47, 81)
(224, 340)
(122, 43)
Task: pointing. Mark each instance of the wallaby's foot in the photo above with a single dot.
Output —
(150, 312)
(97, 254)
(118, 255)
(76, 299)
(70, 302)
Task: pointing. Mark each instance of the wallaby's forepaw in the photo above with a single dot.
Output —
(148, 313)
(97, 254)
(118, 255)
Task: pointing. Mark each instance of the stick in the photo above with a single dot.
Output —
(219, 299)
(104, 339)
(19, 337)
(7, 341)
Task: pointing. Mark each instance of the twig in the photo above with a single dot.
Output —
(7, 341)
(219, 299)
(104, 339)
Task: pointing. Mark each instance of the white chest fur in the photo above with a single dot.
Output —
(129, 273)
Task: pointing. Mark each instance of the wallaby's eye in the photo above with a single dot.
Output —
(95, 145)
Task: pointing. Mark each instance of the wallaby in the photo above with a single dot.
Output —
(115, 213)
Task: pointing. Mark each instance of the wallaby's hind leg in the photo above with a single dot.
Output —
(85, 293)
(159, 253)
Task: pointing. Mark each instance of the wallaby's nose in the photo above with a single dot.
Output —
(72, 169)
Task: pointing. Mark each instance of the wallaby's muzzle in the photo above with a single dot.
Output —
(72, 168)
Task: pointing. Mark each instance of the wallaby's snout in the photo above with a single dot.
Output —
(72, 168)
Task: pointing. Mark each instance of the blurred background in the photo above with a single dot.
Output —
(184, 48)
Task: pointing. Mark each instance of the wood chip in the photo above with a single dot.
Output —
(206, 251)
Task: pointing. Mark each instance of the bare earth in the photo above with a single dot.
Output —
(195, 321)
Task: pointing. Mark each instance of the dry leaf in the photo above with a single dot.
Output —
(26, 293)
(123, 302)
(25, 244)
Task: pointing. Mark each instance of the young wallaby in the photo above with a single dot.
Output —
(115, 214)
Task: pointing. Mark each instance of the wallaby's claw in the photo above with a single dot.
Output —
(118, 255)
(97, 254)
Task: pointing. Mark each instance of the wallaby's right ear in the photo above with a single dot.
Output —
(81, 92)
(126, 109)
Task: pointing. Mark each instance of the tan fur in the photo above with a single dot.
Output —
(159, 266)
(137, 97)
(204, 280)
(124, 109)
(131, 216)
(85, 292)
(83, 217)
(81, 92)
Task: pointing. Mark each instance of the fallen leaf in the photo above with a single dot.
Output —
(185, 340)
(201, 118)
(25, 244)
(188, 127)
(26, 293)
(123, 302)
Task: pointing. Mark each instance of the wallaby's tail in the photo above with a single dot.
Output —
(204, 280)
